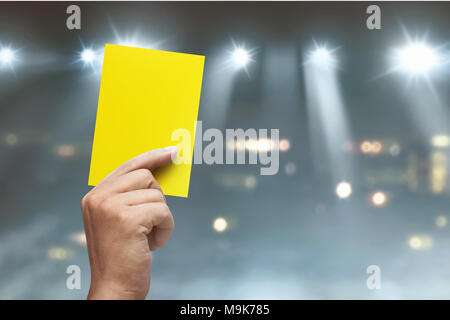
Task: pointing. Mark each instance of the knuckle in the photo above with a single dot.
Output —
(125, 218)
(148, 174)
(164, 210)
(84, 202)
(90, 201)
(158, 195)
(162, 206)
(145, 174)
(160, 211)
(107, 206)
(121, 218)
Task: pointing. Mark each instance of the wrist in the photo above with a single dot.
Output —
(111, 291)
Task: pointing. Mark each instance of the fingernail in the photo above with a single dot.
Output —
(173, 150)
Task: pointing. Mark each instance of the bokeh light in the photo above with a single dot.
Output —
(378, 199)
(220, 224)
(440, 141)
(65, 151)
(394, 150)
(253, 145)
(58, 253)
(284, 145)
(290, 168)
(441, 221)
(343, 190)
(420, 242)
(371, 147)
(79, 238)
(11, 139)
(250, 182)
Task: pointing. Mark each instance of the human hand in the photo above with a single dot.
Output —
(125, 216)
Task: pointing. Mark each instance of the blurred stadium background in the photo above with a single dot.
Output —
(364, 162)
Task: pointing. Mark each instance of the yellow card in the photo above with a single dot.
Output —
(145, 95)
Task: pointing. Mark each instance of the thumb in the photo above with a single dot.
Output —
(149, 160)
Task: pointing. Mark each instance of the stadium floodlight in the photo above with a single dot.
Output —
(321, 56)
(6, 56)
(90, 58)
(241, 57)
(417, 58)
(87, 56)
